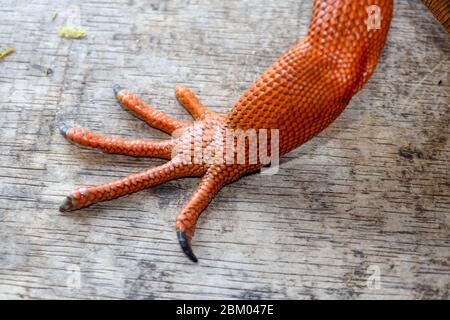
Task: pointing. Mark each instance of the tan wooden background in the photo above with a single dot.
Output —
(371, 193)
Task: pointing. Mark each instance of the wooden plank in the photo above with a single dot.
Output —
(371, 193)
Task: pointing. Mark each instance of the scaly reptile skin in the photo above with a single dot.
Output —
(300, 95)
(441, 10)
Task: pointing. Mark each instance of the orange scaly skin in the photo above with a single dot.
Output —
(300, 95)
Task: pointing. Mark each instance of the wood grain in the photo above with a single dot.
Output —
(371, 191)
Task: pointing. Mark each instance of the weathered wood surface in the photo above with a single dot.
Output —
(372, 191)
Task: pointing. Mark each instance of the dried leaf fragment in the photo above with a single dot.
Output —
(71, 33)
(6, 52)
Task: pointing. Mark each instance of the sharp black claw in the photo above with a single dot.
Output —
(116, 89)
(67, 205)
(63, 129)
(185, 243)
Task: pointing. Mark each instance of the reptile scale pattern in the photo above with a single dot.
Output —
(300, 95)
(441, 10)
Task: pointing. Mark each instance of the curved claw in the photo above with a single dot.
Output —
(63, 129)
(117, 88)
(185, 243)
(67, 205)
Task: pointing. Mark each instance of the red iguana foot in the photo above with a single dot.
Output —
(179, 151)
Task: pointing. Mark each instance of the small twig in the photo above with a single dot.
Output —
(7, 52)
(54, 15)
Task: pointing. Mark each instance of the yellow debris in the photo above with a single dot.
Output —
(7, 52)
(359, 283)
(71, 33)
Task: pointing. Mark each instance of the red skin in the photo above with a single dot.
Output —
(300, 95)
